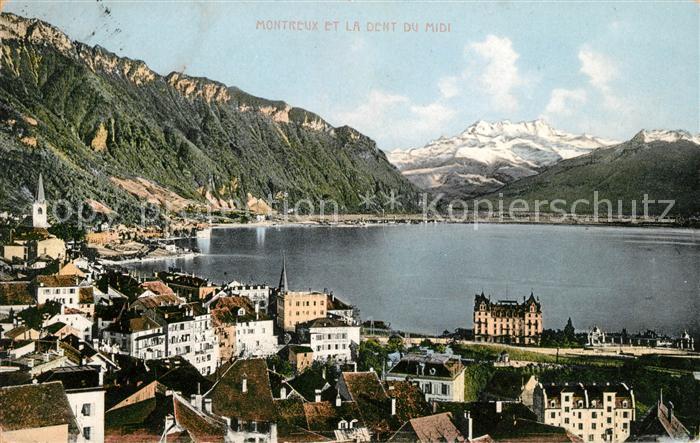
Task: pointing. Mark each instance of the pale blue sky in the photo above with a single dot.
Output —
(605, 68)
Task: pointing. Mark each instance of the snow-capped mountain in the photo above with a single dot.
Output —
(666, 135)
(488, 155)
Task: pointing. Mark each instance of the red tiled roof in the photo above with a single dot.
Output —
(201, 427)
(58, 281)
(34, 406)
(229, 400)
(438, 427)
(157, 287)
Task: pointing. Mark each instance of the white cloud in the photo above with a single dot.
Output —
(449, 86)
(373, 110)
(500, 74)
(602, 72)
(565, 101)
(600, 69)
(394, 120)
(431, 117)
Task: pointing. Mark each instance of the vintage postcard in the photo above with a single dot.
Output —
(349, 221)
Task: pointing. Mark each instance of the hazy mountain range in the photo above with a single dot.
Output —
(111, 132)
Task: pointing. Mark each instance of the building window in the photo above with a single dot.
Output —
(553, 414)
(624, 414)
(445, 389)
(87, 432)
(594, 414)
(85, 410)
(566, 420)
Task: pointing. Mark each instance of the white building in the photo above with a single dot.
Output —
(63, 289)
(340, 310)
(255, 338)
(596, 337)
(77, 321)
(167, 331)
(330, 339)
(86, 396)
(189, 333)
(140, 337)
(440, 376)
(244, 330)
(594, 412)
(259, 295)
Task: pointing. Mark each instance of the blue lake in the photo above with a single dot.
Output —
(424, 277)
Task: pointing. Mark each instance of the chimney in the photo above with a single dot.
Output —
(101, 377)
(393, 406)
(434, 404)
(338, 400)
(193, 400)
(499, 407)
(317, 396)
(470, 425)
(670, 411)
(207, 405)
(323, 372)
(244, 384)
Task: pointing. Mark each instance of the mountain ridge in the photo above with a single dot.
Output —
(661, 168)
(488, 155)
(105, 119)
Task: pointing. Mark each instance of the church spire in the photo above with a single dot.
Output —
(283, 285)
(40, 190)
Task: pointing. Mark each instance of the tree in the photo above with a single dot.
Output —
(569, 331)
(371, 355)
(68, 231)
(395, 344)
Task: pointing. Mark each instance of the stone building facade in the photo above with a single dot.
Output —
(507, 321)
(593, 412)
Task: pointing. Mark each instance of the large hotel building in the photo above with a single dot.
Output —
(507, 321)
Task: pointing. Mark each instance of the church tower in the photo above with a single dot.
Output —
(39, 216)
(283, 286)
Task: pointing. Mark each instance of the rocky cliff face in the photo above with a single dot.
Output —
(108, 130)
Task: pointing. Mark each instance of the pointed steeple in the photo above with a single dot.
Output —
(283, 285)
(39, 215)
(40, 190)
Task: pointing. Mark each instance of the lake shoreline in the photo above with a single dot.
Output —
(362, 220)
